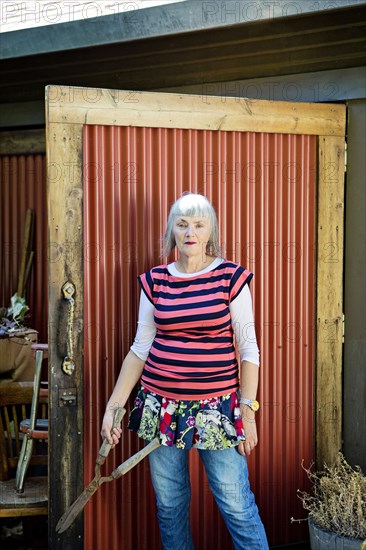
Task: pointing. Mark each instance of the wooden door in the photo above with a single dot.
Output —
(116, 161)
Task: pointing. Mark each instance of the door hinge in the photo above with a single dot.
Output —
(345, 156)
(343, 327)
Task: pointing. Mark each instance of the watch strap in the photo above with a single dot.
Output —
(252, 403)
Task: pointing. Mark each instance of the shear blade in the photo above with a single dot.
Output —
(76, 507)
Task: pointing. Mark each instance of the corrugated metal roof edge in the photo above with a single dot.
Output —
(176, 18)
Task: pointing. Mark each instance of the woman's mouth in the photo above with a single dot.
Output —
(189, 242)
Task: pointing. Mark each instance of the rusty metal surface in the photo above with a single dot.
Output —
(263, 187)
(22, 186)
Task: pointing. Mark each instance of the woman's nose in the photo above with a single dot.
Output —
(189, 230)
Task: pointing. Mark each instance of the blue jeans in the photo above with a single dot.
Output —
(227, 474)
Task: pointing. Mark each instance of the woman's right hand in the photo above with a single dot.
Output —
(114, 436)
(129, 375)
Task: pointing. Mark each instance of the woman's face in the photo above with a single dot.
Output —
(192, 234)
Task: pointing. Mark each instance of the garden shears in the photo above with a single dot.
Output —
(77, 506)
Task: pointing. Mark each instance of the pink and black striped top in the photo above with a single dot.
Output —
(192, 356)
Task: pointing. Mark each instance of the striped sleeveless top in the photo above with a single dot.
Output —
(192, 356)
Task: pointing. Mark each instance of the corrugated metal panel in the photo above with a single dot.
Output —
(263, 187)
(23, 186)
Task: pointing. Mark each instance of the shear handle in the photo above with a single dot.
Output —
(128, 464)
(106, 447)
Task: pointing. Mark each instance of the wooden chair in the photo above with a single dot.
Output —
(15, 402)
(35, 427)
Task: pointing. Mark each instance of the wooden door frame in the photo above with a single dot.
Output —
(67, 110)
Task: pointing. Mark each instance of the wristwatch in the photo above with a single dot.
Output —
(252, 403)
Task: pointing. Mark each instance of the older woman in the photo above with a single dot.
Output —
(191, 394)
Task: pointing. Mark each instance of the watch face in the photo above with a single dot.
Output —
(255, 405)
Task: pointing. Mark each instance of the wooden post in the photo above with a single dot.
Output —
(65, 193)
(328, 381)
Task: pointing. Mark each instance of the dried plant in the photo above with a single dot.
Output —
(338, 503)
(14, 317)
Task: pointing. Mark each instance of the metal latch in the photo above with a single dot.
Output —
(67, 397)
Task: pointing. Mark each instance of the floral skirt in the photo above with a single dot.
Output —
(212, 424)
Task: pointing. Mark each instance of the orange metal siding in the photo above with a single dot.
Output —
(263, 187)
(23, 186)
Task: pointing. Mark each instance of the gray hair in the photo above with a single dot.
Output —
(192, 204)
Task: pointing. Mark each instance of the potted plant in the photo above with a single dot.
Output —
(337, 507)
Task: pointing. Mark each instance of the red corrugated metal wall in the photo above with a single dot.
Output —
(263, 187)
(22, 186)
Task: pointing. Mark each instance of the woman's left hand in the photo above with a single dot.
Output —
(250, 430)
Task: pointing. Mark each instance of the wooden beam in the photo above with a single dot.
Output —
(14, 512)
(328, 383)
(127, 108)
(23, 142)
(65, 196)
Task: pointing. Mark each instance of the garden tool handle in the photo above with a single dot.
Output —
(131, 462)
(106, 447)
